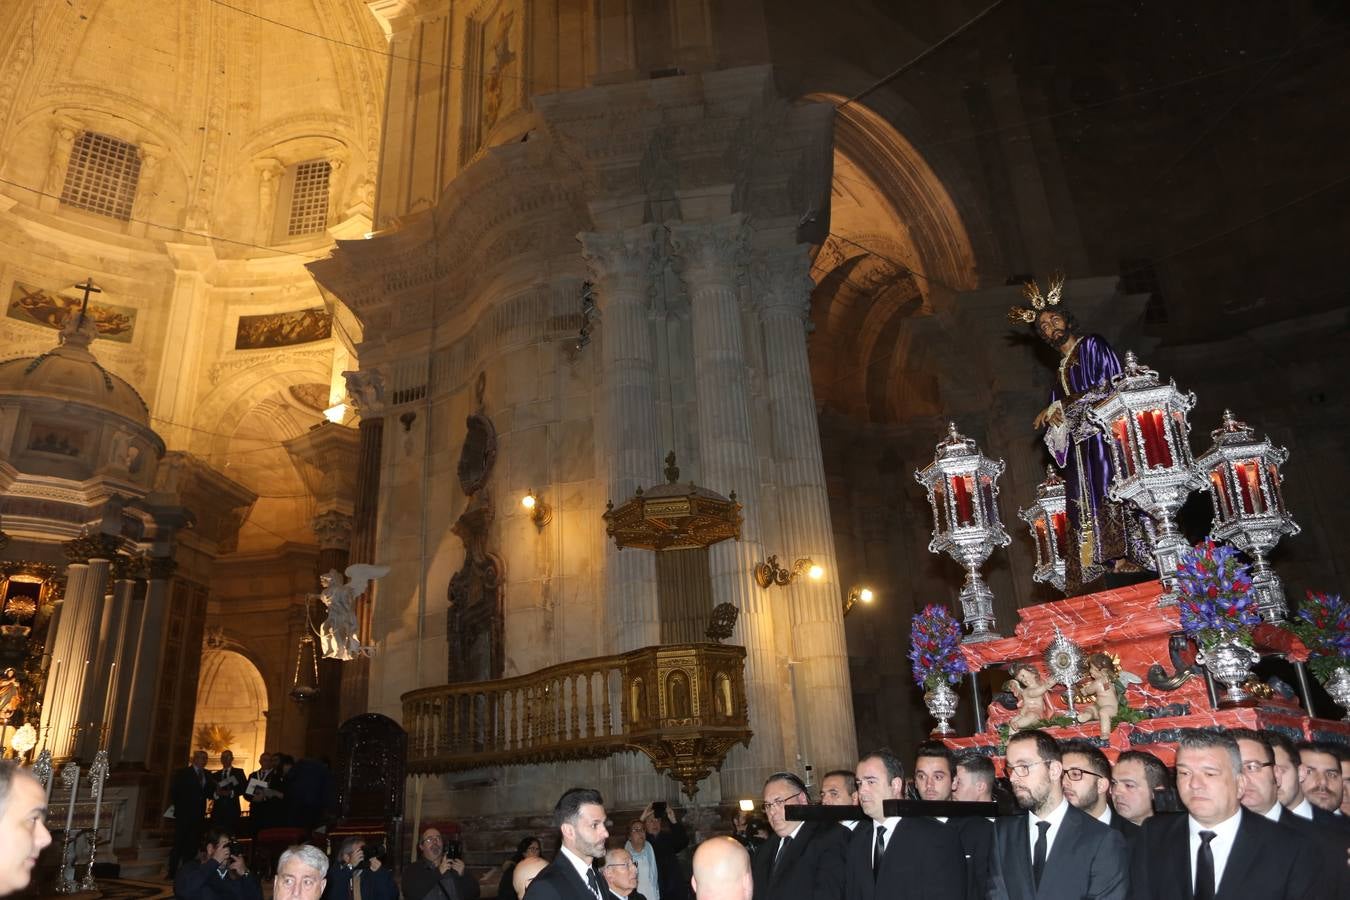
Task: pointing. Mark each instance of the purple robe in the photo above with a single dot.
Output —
(1086, 462)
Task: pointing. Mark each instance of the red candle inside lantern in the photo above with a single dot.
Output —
(961, 491)
(1120, 428)
(1249, 486)
(1061, 523)
(1153, 430)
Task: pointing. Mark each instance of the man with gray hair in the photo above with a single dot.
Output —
(621, 874)
(803, 860)
(23, 828)
(1219, 849)
(301, 874)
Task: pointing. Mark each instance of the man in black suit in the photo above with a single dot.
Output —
(437, 875)
(264, 811)
(1087, 785)
(1260, 794)
(803, 860)
(935, 779)
(840, 788)
(1289, 776)
(1219, 851)
(1319, 773)
(580, 817)
(188, 792)
(621, 874)
(1055, 850)
(914, 857)
(1137, 779)
(230, 784)
(974, 779)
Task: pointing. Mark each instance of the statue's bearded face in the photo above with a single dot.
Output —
(1053, 328)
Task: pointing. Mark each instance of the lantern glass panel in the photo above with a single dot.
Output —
(1120, 430)
(987, 494)
(1249, 487)
(1061, 523)
(1180, 430)
(1153, 431)
(1273, 479)
(965, 507)
(1221, 492)
(940, 506)
(1043, 555)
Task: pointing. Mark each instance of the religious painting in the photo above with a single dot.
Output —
(493, 63)
(56, 438)
(286, 329)
(38, 306)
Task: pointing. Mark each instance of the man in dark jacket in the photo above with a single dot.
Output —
(188, 792)
(668, 837)
(230, 783)
(436, 875)
(355, 876)
(216, 874)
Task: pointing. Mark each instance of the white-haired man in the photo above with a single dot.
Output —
(302, 874)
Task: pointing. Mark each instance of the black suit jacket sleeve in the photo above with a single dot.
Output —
(558, 881)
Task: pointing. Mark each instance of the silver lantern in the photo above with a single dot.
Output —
(962, 486)
(1249, 513)
(1145, 425)
(1048, 519)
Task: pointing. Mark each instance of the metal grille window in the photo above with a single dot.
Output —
(102, 175)
(309, 199)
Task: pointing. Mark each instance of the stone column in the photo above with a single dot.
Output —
(824, 699)
(175, 400)
(137, 725)
(622, 264)
(709, 256)
(73, 703)
(118, 631)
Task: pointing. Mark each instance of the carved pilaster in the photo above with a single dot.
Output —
(333, 529)
(269, 183)
(619, 258)
(710, 253)
(782, 281)
(147, 185)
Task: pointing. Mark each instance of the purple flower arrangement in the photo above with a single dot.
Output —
(1323, 624)
(935, 648)
(1216, 601)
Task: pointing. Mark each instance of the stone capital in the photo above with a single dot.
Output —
(781, 281)
(365, 392)
(333, 529)
(619, 255)
(127, 568)
(160, 568)
(91, 546)
(710, 252)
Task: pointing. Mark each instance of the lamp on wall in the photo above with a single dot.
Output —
(770, 572)
(540, 512)
(858, 594)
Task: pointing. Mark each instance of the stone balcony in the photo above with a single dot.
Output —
(681, 704)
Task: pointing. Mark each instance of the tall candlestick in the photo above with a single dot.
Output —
(48, 710)
(106, 727)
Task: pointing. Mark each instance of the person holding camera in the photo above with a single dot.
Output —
(358, 874)
(439, 873)
(667, 837)
(219, 873)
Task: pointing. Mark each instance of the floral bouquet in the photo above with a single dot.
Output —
(1323, 624)
(1216, 600)
(935, 648)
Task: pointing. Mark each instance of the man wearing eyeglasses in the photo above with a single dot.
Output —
(436, 875)
(621, 874)
(1055, 850)
(1219, 850)
(803, 860)
(1260, 794)
(914, 857)
(1087, 785)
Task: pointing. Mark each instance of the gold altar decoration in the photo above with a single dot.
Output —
(683, 705)
(673, 516)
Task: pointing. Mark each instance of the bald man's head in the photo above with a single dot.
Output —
(524, 873)
(722, 871)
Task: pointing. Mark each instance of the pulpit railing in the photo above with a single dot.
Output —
(683, 705)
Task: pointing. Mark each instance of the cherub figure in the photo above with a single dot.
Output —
(1099, 688)
(338, 633)
(1032, 693)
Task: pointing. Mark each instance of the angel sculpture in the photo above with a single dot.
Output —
(1032, 693)
(338, 633)
(1101, 689)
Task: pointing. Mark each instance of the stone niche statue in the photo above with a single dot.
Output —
(474, 619)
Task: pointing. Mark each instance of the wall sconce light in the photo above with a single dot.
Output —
(540, 512)
(769, 572)
(858, 593)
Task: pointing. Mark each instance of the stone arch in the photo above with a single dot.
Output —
(221, 410)
(232, 695)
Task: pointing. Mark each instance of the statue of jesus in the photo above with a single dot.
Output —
(1103, 535)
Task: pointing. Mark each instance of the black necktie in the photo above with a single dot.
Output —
(1038, 854)
(1204, 868)
(593, 883)
(879, 850)
(782, 852)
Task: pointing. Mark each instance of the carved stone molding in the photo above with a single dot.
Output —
(782, 280)
(125, 567)
(92, 546)
(620, 255)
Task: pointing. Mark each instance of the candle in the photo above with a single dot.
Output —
(107, 707)
(1061, 522)
(53, 699)
(965, 515)
(70, 805)
(1122, 432)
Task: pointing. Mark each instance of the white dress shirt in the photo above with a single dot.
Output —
(1221, 845)
(1273, 814)
(1105, 817)
(1304, 809)
(1056, 818)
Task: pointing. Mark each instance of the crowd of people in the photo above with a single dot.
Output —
(1247, 815)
